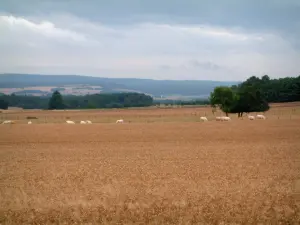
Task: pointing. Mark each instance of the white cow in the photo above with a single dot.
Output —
(82, 122)
(120, 121)
(29, 122)
(262, 117)
(225, 118)
(8, 122)
(203, 118)
(70, 122)
(218, 118)
(251, 117)
(88, 121)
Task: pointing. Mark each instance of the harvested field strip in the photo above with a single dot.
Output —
(240, 172)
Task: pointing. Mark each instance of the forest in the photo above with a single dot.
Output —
(117, 100)
(254, 94)
(276, 90)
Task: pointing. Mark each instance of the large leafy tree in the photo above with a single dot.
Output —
(249, 99)
(56, 101)
(245, 97)
(222, 97)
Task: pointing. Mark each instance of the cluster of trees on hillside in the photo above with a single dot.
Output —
(25, 102)
(276, 90)
(114, 100)
(254, 94)
(57, 101)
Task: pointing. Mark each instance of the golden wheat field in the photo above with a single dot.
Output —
(162, 166)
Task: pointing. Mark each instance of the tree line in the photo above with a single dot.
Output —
(57, 101)
(254, 94)
(276, 90)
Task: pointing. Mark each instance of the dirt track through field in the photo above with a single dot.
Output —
(161, 173)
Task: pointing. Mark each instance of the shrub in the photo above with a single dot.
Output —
(31, 118)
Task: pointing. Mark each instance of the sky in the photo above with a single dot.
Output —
(228, 40)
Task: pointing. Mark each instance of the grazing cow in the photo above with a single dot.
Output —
(88, 121)
(29, 122)
(82, 122)
(8, 122)
(218, 118)
(225, 118)
(203, 118)
(120, 121)
(262, 117)
(251, 117)
(70, 122)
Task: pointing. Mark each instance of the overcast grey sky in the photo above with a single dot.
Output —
(166, 39)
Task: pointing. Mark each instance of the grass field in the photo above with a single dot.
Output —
(164, 167)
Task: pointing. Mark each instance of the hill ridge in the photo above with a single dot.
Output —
(154, 87)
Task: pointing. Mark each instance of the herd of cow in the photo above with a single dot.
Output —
(202, 118)
(226, 118)
(68, 122)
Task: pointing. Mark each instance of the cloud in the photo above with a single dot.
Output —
(66, 44)
(241, 13)
(44, 28)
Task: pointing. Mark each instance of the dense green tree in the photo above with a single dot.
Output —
(276, 90)
(249, 99)
(265, 79)
(222, 97)
(3, 104)
(56, 101)
(246, 97)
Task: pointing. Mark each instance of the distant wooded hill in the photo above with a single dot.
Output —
(155, 88)
(245, 93)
